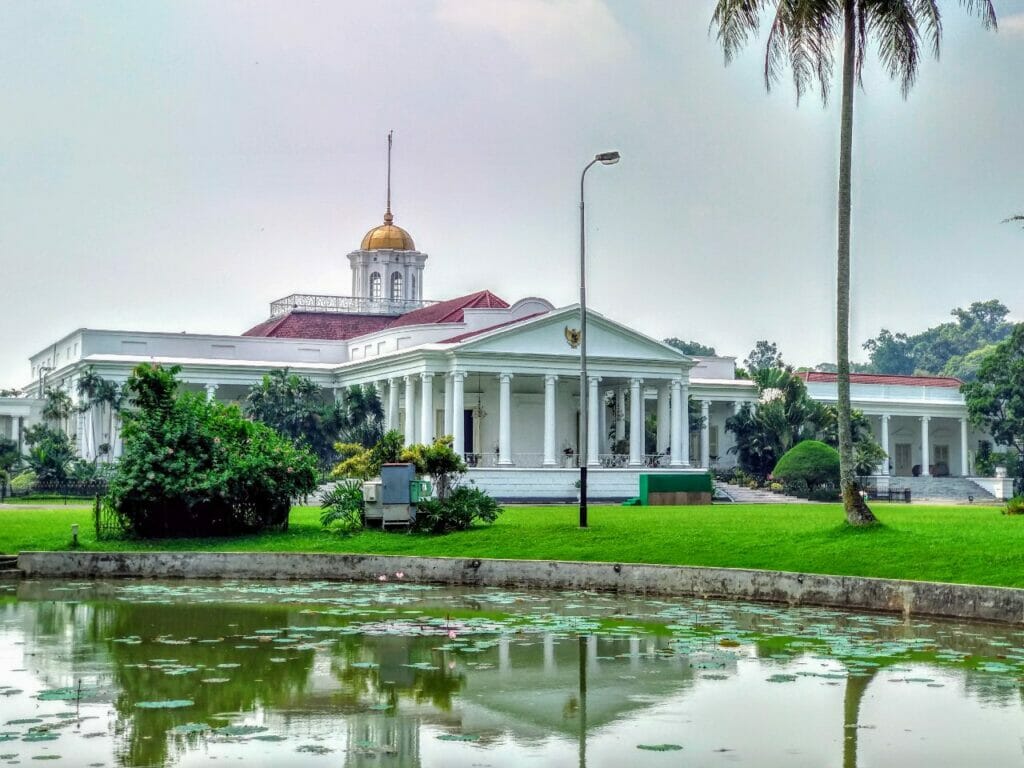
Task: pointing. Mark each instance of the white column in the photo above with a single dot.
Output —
(684, 419)
(393, 391)
(505, 419)
(550, 390)
(886, 463)
(705, 434)
(80, 437)
(602, 422)
(678, 433)
(458, 412)
(636, 422)
(448, 402)
(620, 413)
(737, 406)
(211, 392)
(410, 410)
(664, 427)
(593, 437)
(427, 408)
(965, 467)
(925, 448)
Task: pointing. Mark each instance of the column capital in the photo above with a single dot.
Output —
(636, 381)
(459, 375)
(426, 376)
(409, 378)
(886, 416)
(926, 419)
(504, 377)
(550, 378)
(594, 380)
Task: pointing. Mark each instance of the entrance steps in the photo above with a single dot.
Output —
(742, 495)
(958, 489)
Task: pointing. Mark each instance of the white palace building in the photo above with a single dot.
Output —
(501, 378)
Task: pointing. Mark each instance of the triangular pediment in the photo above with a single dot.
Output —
(547, 335)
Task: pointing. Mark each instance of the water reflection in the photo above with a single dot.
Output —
(401, 675)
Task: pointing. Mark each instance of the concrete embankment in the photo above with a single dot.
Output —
(996, 604)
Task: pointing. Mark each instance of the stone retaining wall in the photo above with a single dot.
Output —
(997, 604)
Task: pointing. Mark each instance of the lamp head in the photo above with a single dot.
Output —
(608, 158)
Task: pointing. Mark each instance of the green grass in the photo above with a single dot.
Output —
(976, 545)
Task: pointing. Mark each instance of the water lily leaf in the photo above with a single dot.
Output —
(187, 728)
(660, 747)
(241, 730)
(314, 749)
(458, 737)
(168, 704)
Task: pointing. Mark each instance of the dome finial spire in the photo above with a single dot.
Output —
(388, 218)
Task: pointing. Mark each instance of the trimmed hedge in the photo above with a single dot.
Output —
(811, 461)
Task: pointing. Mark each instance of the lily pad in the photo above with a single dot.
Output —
(660, 747)
(314, 749)
(458, 737)
(168, 704)
(240, 730)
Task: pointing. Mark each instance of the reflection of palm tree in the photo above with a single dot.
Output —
(856, 685)
(803, 35)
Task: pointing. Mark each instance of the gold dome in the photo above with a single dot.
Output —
(388, 237)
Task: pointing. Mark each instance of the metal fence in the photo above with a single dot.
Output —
(54, 489)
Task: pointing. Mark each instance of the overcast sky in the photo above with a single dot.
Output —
(176, 166)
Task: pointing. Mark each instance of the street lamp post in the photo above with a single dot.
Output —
(605, 158)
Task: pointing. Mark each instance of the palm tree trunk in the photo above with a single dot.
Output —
(857, 512)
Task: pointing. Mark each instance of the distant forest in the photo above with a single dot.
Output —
(953, 348)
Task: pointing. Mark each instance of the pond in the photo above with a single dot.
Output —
(144, 673)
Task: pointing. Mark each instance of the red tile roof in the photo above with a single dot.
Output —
(321, 325)
(450, 311)
(341, 326)
(885, 378)
(471, 334)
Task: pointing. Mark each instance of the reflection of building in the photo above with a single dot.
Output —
(502, 378)
(369, 738)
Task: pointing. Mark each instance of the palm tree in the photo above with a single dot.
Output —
(90, 386)
(1019, 217)
(58, 408)
(803, 35)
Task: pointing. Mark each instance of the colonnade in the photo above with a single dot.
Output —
(672, 410)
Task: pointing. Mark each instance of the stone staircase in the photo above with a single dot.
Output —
(9, 567)
(742, 495)
(943, 489)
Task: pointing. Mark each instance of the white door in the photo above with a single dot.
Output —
(903, 460)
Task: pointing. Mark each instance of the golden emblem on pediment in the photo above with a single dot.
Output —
(573, 336)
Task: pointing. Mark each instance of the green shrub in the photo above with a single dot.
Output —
(796, 486)
(1015, 506)
(343, 507)
(811, 461)
(192, 467)
(775, 487)
(464, 506)
(23, 483)
(438, 460)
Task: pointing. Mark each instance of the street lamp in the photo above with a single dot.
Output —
(605, 158)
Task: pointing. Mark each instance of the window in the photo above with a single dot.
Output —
(396, 286)
(375, 286)
(412, 286)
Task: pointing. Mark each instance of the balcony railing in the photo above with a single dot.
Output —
(563, 461)
(356, 305)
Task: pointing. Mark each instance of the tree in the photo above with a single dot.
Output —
(1019, 217)
(947, 349)
(49, 453)
(362, 415)
(691, 347)
(764, 356)
(995, 401)
(58, 407)
(803, 35)
(193, 467)
(295, 407)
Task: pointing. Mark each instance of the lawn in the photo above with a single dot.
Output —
(976, 545)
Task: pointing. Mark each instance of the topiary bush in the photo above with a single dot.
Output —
(194, 468)
(812, 461)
